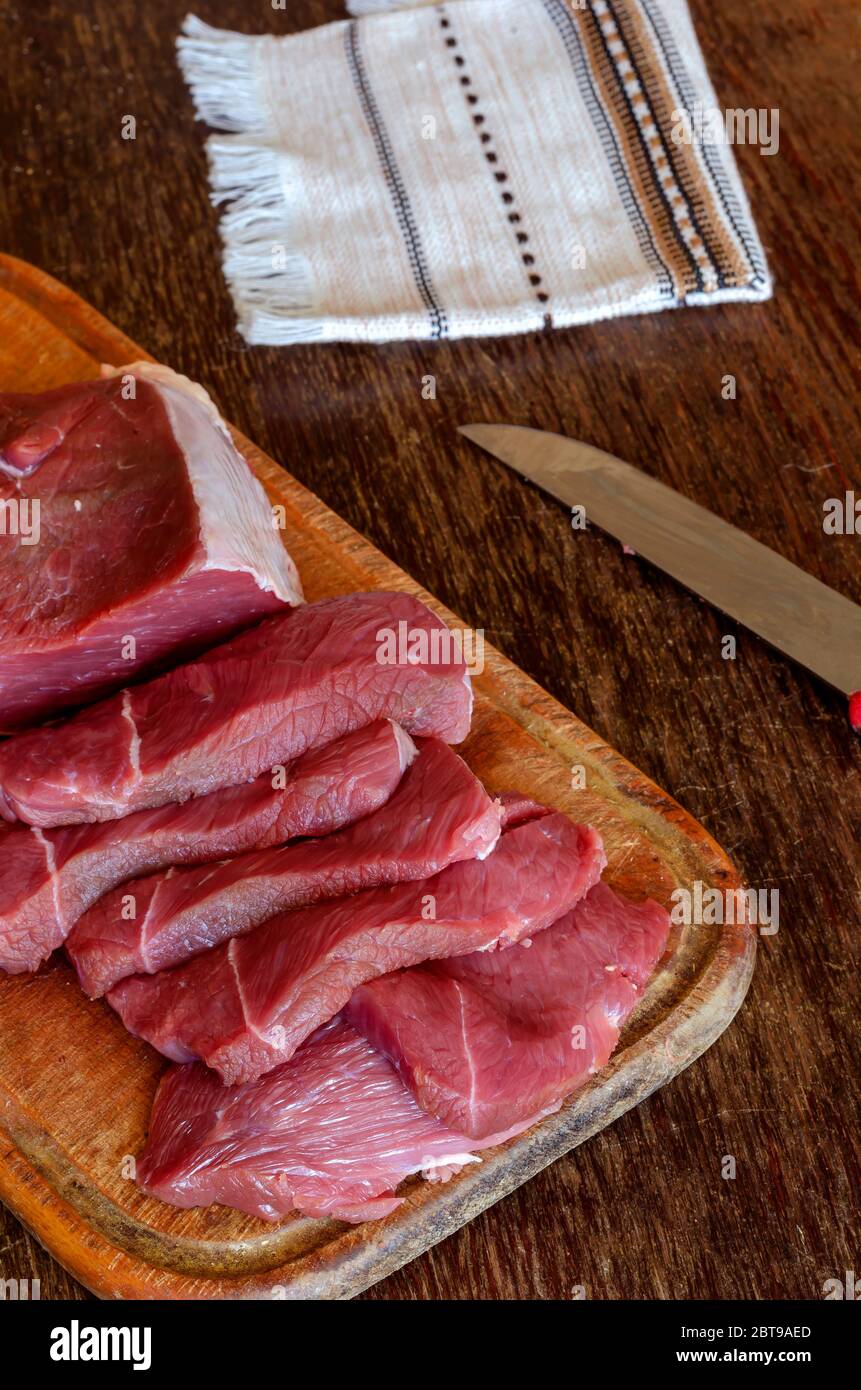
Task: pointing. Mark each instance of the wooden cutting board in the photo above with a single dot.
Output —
(75, 1088)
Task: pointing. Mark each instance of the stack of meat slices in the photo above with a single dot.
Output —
(274, 868)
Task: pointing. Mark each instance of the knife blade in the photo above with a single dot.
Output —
(788, 608)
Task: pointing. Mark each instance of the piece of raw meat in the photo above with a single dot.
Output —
(331, 1134)
(245, 1006)
(440, 813)
(517, 808)
(48, 878)
(295, 682)
(139, 533)
(485, 1040)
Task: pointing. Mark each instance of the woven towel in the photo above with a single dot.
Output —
(475, 167)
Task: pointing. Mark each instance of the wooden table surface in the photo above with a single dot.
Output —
(756, 749)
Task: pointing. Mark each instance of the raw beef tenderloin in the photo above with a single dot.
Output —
(293, 683)
(153, 538)
(48, 878)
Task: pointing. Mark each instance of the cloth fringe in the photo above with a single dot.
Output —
(270, 282)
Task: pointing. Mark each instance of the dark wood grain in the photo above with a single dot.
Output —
(754, 748)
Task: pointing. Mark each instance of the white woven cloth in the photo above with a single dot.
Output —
(471, 168)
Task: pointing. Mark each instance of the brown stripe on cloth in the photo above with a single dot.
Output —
(711, 236)
(754, 270)
(648, 165)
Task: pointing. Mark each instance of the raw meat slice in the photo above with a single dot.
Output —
(517, 808)
(331, 1133)
(150, 526)
(48, 878)
(485, 1040)
(295, 682)
(440, 813)
(245, 1006)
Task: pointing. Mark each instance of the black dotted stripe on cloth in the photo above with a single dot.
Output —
(479, 120)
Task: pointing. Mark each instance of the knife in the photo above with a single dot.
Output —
(787, 607)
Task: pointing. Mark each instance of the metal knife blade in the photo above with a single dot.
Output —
(791, 610)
